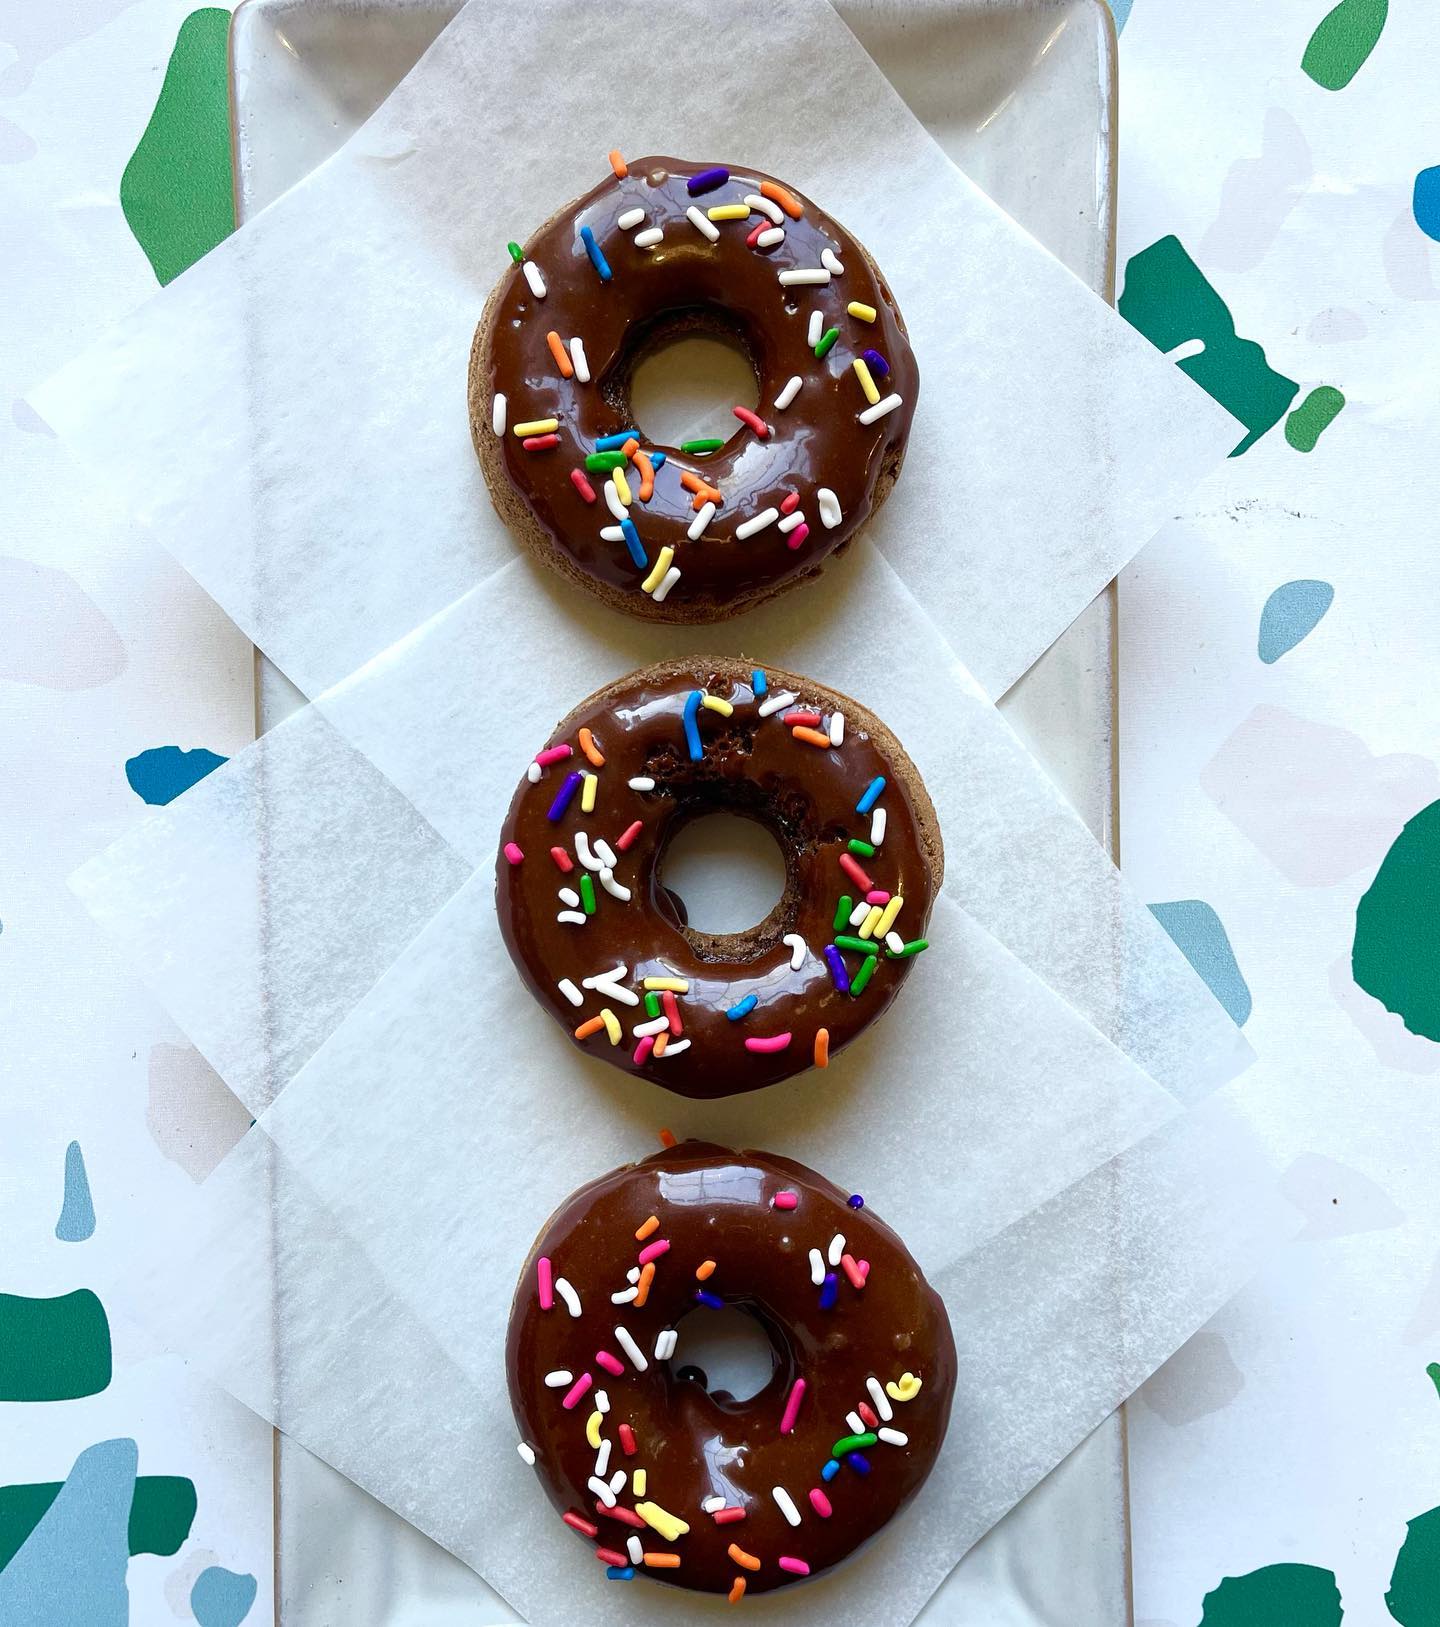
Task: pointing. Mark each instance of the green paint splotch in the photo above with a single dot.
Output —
(1342, 40)
(176, 189)
(1314, 415)
(1292, 613)
(222, 1598)
(162, 1510)
(1169, 299)
(53, 1349)
(1432, 1372)
(1275, 1596)
(1396, 953)
(77, 1212)
(1200, 936)
(1414, 1595)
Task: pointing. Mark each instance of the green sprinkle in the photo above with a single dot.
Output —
(852, 1443)
(858, 946)
(710, 443)
(652, 1003)
(587, 893)
(827, 340)
(912, 948)
(602, 462)
(517, 254)
(864, 849)
(842, 911)
(863, 976)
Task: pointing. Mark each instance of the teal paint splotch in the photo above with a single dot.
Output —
(77, 1212)
(1200, 936)
(221, 1598)
(1275, 1596)
(159, 775)
(71, 1568)
(1292, 612)
(1425, 202)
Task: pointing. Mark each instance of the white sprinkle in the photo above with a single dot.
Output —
(571, 1298)
(797, 950)
(613, 887)
(675, 1047)
(799, 279)
(602, 1400)
(829, 507)
(789, 392)
(571, 918)
(817, 1268)
(879, 1397)
(858, 914)
(816, 329)
(856, 1423)
(641, 782)
(894, 942)
(710, 1504)
(786, 1504)
(631, 218)
(633, 1274)
(837, 728)
(656, 1025)
(533, 277)
(526, 1451)
(877, 827)
(836, 1249)
(611, 533)
(586, 857)
(668, 581)
(602, 1458)
(703, 517)
(606, 983)
(706, 228)
(579, 361)
(768, 239)
(569, 898)
(792, 520)
(649, 237)
(617, 1481)
(605, 853)
(624, 1296)
(497, 414)
(892, 1437)
(880, 408)
(571, 993)
(559, 1379)
(665, 1344)
(776, 703)
(831, 261)
(635, 1548)
(767, 516)
(613, 503)
(632, 1350)
(601, 1490)
(533, 773)
(764, 206)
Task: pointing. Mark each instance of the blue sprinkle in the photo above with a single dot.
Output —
(692, 728)
(877, 363)
(835, 961)
(742, 1008)
(613, 443)
(831, 1469)
(871, 796)
(759, 684)
(714, 1301)
(564, 795)
(617, 1573)
(633, 543)
(657, 460)
(861, 1465)
(830, 1292)
(707, 180)
(592, 248)
(856, 1201)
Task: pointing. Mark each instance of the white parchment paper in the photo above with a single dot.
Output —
(289, 415)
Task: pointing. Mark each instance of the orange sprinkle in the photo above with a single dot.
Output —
(705, 1270)
(822, 1047)
(662, 1562)
(738, 1554)
(645, 1228)
(812, 737)
(702, 497)
(642, 1288)
(631, 447)
(591, 750)
(691, 481)
(586, 1029)
(667, 1138)
(661, 1041)
(558, 351)
(787, 200)
(737, 1592)
(647, 476)
(618, 164)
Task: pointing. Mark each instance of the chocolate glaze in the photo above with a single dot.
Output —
(754, 767)
(731, 289)
(713, 1204)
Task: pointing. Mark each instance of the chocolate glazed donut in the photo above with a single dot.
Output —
(600, 942)
(694, 1488)
(704, 530)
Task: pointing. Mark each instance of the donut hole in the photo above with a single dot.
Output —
(729, 1353)
(725, 874)
(685, 375)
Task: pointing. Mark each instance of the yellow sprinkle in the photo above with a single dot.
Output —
(622, 486)
(715, 704)
(659, 1520)
(729, 211)
(658, 569)
(887, 920)
(592, 1429)
(637, 1480)
(867, 384)
(871, 921)
(538, 426)
(612, 1025)
(676, 985)
(863, 313)
(588, 782)
(906, 1390)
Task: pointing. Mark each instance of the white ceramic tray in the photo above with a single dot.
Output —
(1021, 94)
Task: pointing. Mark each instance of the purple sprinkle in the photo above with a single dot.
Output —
(836, 962)
(856, 1201)
(830, 1292)
(564, 794)
(877, 363)
(706, 181)
(861, 1465)
(714, 1301)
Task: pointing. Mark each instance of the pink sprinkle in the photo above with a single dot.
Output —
(513, 853)
(877, 896)
(792, 1406)
(852, 1270)
(611, 1364)
(798, 714)
(867, 1416)
(576, 1390)
(772, 1042)
(672, 1012)
(820, 1502)
(796, 537)
(797, 1567)
(855, 873)
(627, 1442)
(786, 1200)
(791, 503)
(764, 226)
(728, 1516)
(653, 1251)
(631, 833)
(552, 754)
(562, 859)
(582, 485)
(752, 420)
(643, 1049)
(547, 1284)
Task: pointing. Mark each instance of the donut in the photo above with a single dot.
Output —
(704, 530)
(605, 947)
(669, 1480)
